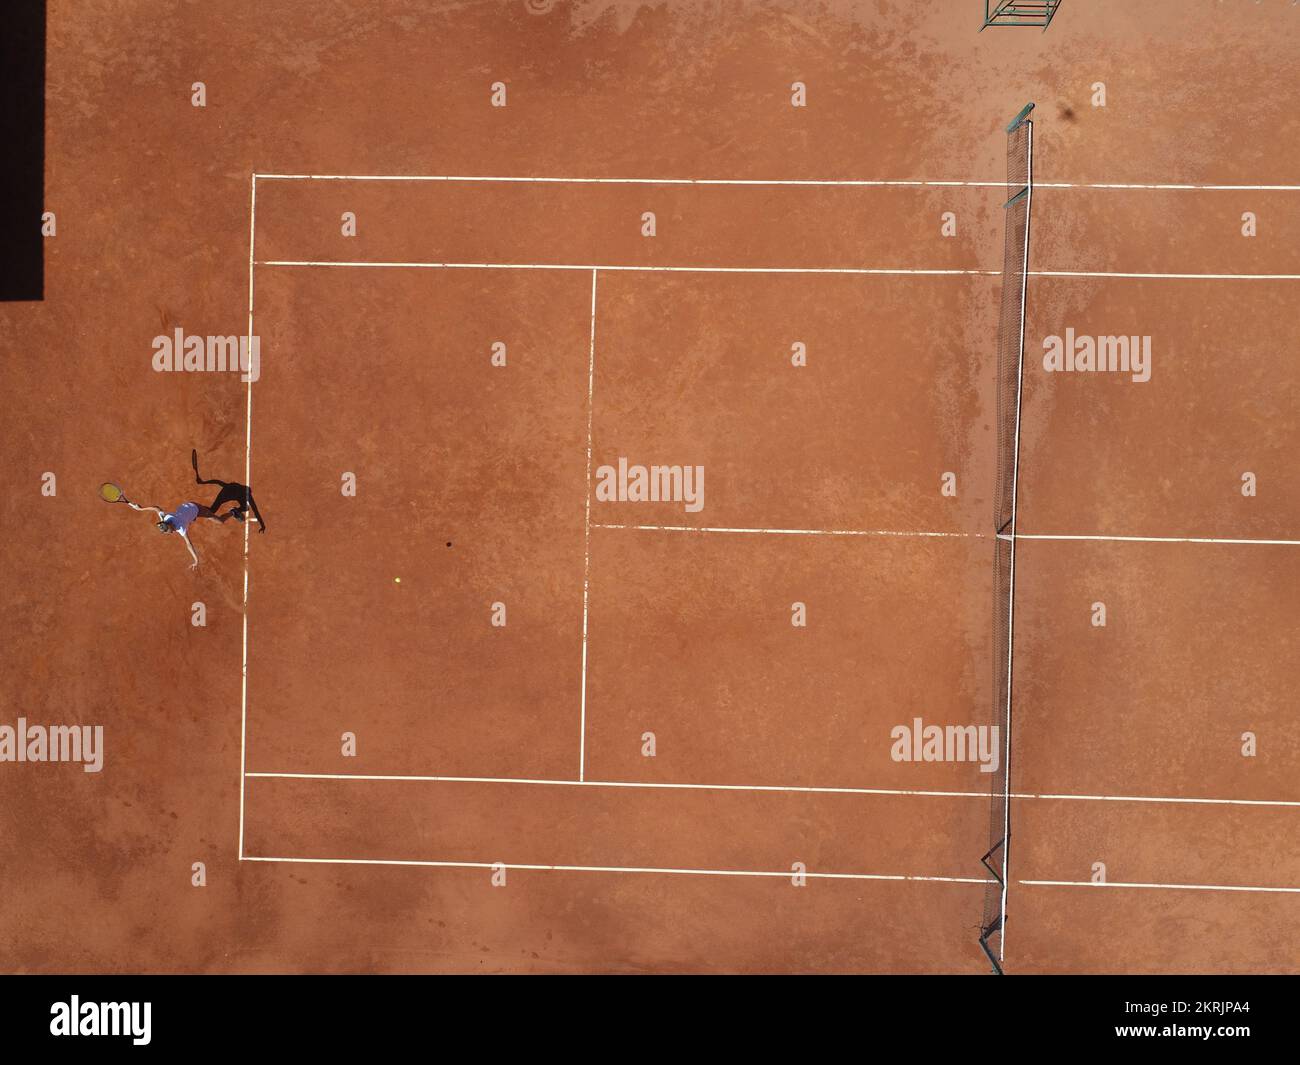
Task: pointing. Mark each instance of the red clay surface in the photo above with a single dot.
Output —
(385, 373)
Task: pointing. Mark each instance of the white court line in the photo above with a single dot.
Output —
(849, 183)
(951, 535)
(1164, 276)
(586, 557)
(1163, 187)
(887, 271)
(792, 532)
(1155, 539)
(783, 874)
(604, 267)
(651, 785)
(1161, 887)
(248, 463)
(1157, 798)
(793, 789)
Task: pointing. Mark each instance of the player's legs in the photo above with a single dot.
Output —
(230, 493)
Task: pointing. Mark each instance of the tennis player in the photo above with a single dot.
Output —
(180, 520)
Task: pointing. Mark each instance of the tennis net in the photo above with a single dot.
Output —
(1010, 378)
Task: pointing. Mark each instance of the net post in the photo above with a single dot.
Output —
(1021, 118)
(985, 934)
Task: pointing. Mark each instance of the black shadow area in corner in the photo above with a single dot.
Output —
(22, 149)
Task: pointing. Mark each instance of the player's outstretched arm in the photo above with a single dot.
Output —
(136, 506)
(190, 546)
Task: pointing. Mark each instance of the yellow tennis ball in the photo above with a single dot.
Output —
(397, 580)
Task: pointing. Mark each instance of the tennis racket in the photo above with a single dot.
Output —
(111, 493)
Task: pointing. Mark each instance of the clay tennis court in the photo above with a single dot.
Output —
(468, 715)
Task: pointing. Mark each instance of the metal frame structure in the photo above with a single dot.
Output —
(1019, 13)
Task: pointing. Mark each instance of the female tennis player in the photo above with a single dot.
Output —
(180, 520)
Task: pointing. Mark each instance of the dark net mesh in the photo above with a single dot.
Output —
(1010, 317)
(1009, 380)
